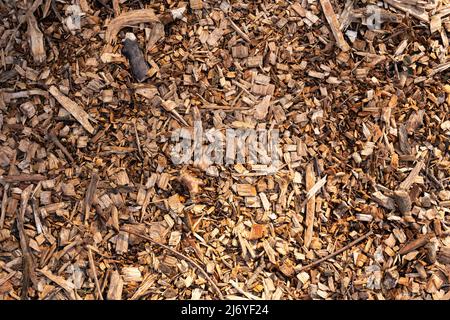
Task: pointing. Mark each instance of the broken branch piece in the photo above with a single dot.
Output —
(131, 50)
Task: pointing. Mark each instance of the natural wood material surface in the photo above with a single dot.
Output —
(310, 205)
(334, 25)
(75, 110)
(209, 150)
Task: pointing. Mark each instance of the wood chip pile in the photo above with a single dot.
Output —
(93, 205)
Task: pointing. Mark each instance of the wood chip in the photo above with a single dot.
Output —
(310, 205)
(334, 25)
(75, 110)
(215, 149)
(246, 190)
(36, 40)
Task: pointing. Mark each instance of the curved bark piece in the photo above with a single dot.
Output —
(129, 18)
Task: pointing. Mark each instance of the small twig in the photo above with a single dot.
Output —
(89, 197)
(351, 244)
(312, 192)
(246, 294)
(57, 143)
(239, 31)
(181, 256)
(94, 273)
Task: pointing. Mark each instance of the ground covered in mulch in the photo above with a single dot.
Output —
(95, 203)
